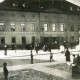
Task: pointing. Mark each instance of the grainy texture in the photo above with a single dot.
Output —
(12, 62)
(62, 66)
(29, 74)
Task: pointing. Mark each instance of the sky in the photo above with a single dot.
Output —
(1, 0)
(76, 2)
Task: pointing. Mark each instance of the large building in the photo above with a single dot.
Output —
(60, 23)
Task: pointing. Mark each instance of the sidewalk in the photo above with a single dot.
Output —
(24, 53)
(43, 68)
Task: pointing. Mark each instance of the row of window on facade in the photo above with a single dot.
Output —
(13, 39)
(45, 27)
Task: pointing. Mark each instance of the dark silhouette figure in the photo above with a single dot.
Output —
(51, 56)
(5, 71)
(31, 46)
(67, 54)
(45, 47)
(76, 67)
(31, 57)
(78, 59)
(74, 59)
(36, 47)
(5, 48)
(15, 48)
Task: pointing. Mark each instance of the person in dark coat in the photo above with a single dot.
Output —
(31, 46)
(78, 59)
(5, 71)
(31, 57)
(15, 48)
(36, 47)
(51, 56)
(74, 59)
(67, 54)
(5, 48)
(12, 46)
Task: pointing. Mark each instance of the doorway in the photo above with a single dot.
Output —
(33, 39)
(2, 40)
(23, 40)
(13, 40)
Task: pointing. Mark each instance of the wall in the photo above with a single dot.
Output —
(39, 19)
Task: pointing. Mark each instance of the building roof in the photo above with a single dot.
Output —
(76, 2)
(51, 6)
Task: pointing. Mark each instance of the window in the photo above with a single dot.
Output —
(33, 39)
(13, 39)
(45, 27)
(72, 27)
(12, 27)
(23, 28)
(24, 5)
(1, 26)
(15, 4)
(61, 27)
(53, 27)
(2, 40)
(71, 8)
(32, 26)
(78, 9)
(23, 40)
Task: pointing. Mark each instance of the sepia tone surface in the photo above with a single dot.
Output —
(32, 30)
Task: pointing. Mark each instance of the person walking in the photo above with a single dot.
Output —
(51, 56)
(15, 47)
(31, 47)
(36, 47)
(5, 48)
(31, 57)
(78, 59)
(67, 54)
(5, 71)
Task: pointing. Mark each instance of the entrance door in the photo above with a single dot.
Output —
(45, 39)
(54, 39)
(62, 39)
(23, 40)
(2, 40)
(33, 39)
(13, 40)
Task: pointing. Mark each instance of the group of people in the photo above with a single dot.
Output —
(67, 54)
(6, 46)
(76, 65)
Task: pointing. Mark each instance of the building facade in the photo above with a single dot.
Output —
(32, 27)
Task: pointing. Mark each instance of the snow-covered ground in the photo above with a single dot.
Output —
(78, 47)
(25, 54)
